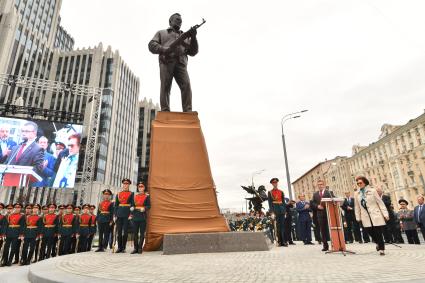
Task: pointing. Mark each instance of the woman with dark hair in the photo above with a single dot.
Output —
(370, 210)
(139, 217)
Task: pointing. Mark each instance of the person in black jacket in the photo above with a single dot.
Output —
(123, 202)
(316, 204)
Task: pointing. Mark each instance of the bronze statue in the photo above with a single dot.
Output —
(173, 46)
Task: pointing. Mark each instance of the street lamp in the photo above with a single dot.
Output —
(285, 118)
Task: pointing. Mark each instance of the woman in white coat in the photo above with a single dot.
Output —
(370, 210)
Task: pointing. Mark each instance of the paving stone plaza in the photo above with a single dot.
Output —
(294, 264)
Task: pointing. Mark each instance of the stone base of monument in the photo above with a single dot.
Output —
(190, 243)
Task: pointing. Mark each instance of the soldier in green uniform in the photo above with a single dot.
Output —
(68, 225)
(104, 219)
(49, 232)
(138, 216)
(277, 207)
(93, 228)
(74, 248)
(14, 230)
(2, 221)
(123, 201)
(84, 228)
(61, 211)
(32, 232)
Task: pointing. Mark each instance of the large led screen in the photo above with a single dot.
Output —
(38, 153)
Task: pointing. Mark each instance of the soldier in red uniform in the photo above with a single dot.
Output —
(61, 211)
(83, 231)
(93, 228)
(49, 232)
(68, 224)
(123, 201)
(139, 217)
(2, 224)
(32, 232)
(74, 248)
(104, 219)
(277, 207)
(14, 230)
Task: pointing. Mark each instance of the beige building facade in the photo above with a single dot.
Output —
(395, 162)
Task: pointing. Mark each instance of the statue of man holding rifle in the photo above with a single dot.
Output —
(173, 46)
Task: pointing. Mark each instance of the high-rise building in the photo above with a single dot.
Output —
(34, 44)
(147, 113)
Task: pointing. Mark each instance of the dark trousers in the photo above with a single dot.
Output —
(412, 236)
(82, 243)
(37, 249)
(111, 235)
(324, 231)
(73, 247)
(178, 71)
(388, 231)
(376, 232)
(89, 242)
(28, 249)
(280, 225)
(55, 248)
(104, 231)
(46, 249)
(122, 232)
(288, 228)
(9, 245)
(421, 226)
(305, 230)
(65, 245)
(139, 227)
(17, 250)
(348, 231)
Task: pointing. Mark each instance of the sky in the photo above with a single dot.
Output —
(354, 65)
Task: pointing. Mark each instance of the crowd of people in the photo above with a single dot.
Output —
(368, 216)
(38, 233)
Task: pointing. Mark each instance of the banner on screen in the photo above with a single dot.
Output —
(38, 153)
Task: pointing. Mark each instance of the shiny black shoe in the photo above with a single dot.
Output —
(291, 243)
(134, 252)
(99, 250)
(325, 249)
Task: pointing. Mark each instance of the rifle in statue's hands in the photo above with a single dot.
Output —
(172, 48)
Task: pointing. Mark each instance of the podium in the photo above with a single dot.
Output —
(336, 228)
(17, 176)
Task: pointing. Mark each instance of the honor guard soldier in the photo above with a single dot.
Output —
(32, 233)
(14, 230)
(139, 218)
(60, 212)
(93, 228)
(68, 223)
(50, 232)
(123, 201)
(2, 224)
(74, 248)
(83, 231)
(277, 207)
(104, 219)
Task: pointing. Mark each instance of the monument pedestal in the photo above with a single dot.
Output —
(182, 190)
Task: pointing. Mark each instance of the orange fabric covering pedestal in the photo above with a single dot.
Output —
(181, 187)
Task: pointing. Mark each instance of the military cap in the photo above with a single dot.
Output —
(106, 192)
(402, 201)
(77, 208)
(61, 206)
(92, 206)
(60, 143)
(17, 204)
(44, 207)
(1, 205)
(70, 206)
(85, 205)
(52, 204)
(273, 180)
(36, 205)
(9, 206)
(28, 206)
(126, 180)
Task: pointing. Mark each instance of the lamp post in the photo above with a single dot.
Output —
(285, 118)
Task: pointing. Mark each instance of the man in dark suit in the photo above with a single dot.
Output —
(348, 208)
(304, 220)
(6, 143)
(48, 165)
(419, 214)
(317, 205)
(28, 152)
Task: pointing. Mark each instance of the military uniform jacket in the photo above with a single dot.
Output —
(140, 201)
(15, 225)
(85, 223)
(105, 211)
(50, 225)
(68, 224)
(123, 201)
(34, 226)
(93, 227)
(2, 224)
(276, 201)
